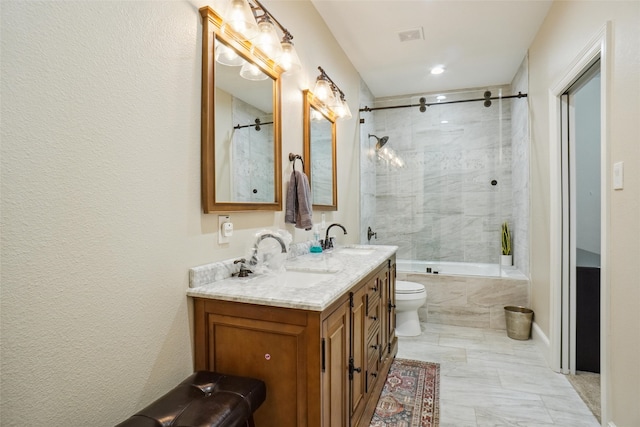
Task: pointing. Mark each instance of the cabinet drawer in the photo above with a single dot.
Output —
(372, 323)
(374, 347)
(373, 368)
(374, 288)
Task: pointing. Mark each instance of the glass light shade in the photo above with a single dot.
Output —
(251, 71)
(289, 59)
(267, 40)
(239, 17)
(323, 91)
(345, 112)
(227, 56)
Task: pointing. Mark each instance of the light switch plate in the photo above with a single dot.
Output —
(221, 236)
(618, 176)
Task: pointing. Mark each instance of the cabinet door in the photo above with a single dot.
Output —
(357, 361)
(335, 370)
(271, 351)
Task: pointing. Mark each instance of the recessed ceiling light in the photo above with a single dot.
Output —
(444, 122)
(441, 97)
(439, 69)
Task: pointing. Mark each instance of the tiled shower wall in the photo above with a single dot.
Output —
(520, 169)
(443, 205)
(252, 155)
(449, 200)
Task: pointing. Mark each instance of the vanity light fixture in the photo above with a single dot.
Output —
(251, 71)
(239, 16)
(227, 56)
(255, 23)
(327, 92)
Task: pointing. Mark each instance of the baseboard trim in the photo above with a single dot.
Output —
(542, 341)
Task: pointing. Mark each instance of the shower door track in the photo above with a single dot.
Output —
(429, 104)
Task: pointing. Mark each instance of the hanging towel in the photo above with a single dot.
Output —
(298, 208)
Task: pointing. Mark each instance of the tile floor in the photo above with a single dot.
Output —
(489, 379)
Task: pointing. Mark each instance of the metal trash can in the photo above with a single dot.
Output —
(518, 322)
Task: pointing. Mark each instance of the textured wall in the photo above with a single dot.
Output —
(101, 212)
(568, 29)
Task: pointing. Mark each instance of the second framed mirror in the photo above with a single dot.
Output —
(320, 153)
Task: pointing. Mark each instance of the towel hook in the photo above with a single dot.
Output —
(293, 157)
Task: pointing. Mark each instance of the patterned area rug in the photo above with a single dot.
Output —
(410, 396)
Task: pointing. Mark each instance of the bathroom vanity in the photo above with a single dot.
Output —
(321, 336)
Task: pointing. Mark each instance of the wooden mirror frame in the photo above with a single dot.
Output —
(212, 28)
(310, 101)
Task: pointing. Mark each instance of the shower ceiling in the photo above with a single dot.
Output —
(481, 43)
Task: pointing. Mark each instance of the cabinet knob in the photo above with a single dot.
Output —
(374, 318)
(374, 288)
(374, 374)
(375, 346)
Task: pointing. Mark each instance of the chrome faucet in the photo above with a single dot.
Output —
(254, 257)
(327, 243)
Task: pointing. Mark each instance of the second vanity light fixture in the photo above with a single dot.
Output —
(255, 23)
(331, 96)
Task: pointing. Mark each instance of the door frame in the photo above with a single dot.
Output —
(599, 47)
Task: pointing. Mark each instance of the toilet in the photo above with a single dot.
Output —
(410, 296)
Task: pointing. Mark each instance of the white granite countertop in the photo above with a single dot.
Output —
(311, 282)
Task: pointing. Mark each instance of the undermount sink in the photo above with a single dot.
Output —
(289, 278)
(304, 279)
(356, 251)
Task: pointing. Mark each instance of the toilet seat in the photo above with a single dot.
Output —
(407, 288)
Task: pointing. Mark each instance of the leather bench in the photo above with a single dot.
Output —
(204, 399)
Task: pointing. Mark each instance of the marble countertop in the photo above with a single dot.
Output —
(311, 282)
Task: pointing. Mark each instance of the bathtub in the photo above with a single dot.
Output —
(466, 294)
(449, 268)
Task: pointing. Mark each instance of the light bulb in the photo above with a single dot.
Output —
(289, 59)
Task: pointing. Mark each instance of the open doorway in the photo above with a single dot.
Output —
(581, 225)
(563, 248)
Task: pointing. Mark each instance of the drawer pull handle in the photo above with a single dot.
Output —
(374, 374)
(374, 288)
(374, 318)
(375, 346)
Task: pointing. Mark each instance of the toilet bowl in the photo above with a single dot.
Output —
(410, 296)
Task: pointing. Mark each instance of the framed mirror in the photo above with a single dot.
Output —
(241, 131)
(320, 153)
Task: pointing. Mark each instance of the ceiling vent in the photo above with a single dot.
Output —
(413, 34)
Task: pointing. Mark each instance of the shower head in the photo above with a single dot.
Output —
(380, 141)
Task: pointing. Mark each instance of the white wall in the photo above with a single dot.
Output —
(587, 151)
(567, 30)
(101, 212)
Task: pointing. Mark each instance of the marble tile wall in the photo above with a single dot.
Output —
(442, 204)
(253, 178)
(520, 170)
(367, 165)
(321, 159)
(468, 301)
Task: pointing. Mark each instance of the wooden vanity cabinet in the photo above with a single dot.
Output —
(322, 369)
